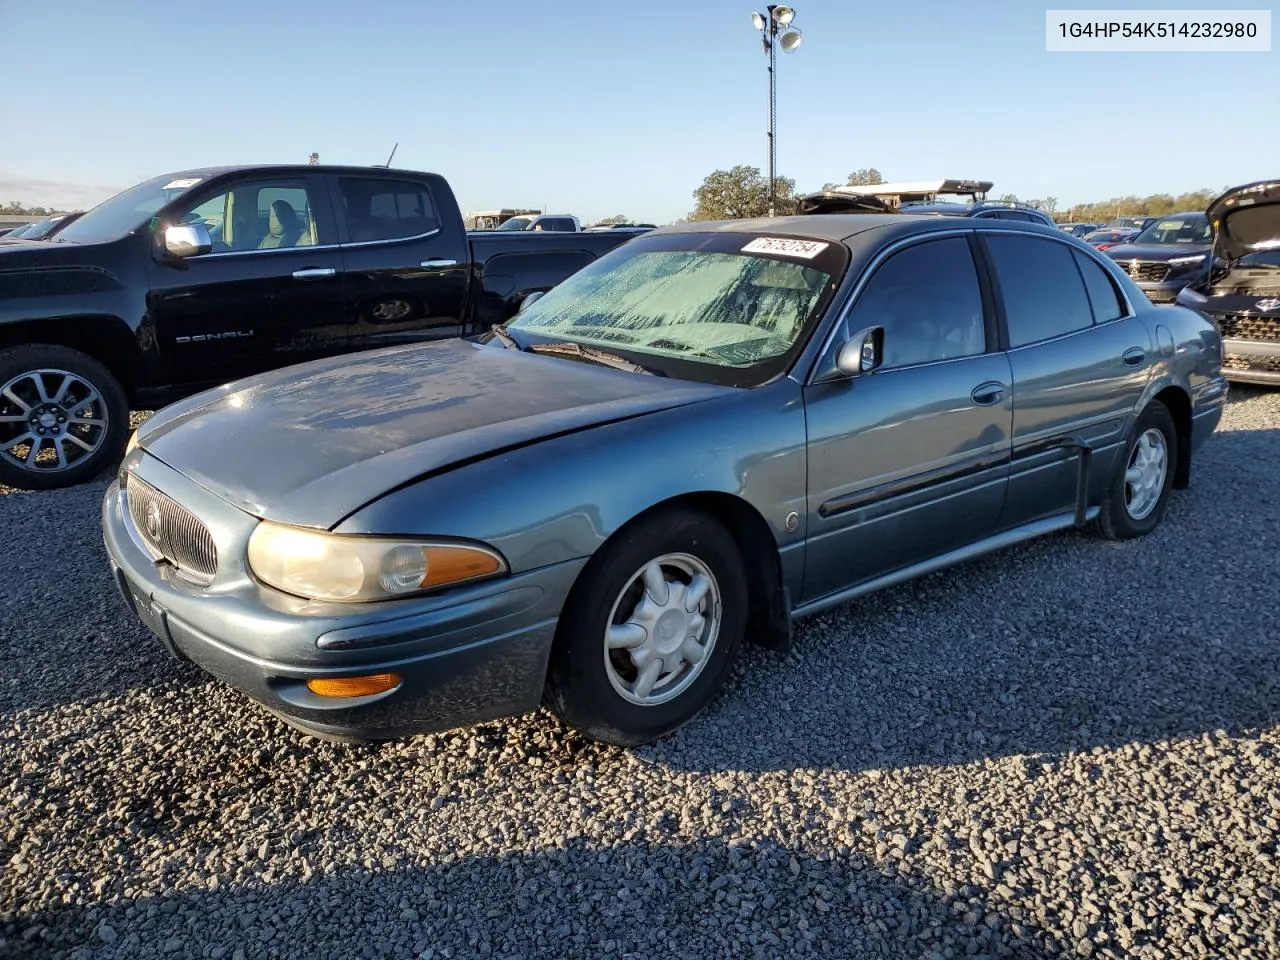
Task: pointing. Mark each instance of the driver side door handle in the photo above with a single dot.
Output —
(1134, 357)
(987, 394)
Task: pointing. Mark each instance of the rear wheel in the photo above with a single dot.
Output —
(1140, 492)
(63, 417)
(649, 630)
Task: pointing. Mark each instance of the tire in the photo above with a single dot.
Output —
(80, 414)
(597, 691)
(1128, 512)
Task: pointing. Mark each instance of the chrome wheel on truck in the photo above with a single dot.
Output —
(63, 417)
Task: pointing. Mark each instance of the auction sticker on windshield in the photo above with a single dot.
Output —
(787, 247)
(182, 184)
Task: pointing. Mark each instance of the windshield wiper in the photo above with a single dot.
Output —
(506, 339)
(602, 357)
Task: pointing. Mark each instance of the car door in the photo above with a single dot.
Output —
(406, 257)
(270, 292)
(911, 460)
(1080, 360)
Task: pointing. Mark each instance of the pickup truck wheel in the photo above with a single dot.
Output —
(649, 630)
(63, 417)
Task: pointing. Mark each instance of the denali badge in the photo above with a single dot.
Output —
(202, 337)
(1272, 303)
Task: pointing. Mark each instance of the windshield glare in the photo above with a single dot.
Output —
(1176, 230)
(703, 301)
(127, 211)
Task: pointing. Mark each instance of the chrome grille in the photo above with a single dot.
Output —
(1235, 361)
(172, 531)
(1141, 270)
(1244, 326)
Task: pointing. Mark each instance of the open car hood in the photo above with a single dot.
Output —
(1245, 217)
(311, 443)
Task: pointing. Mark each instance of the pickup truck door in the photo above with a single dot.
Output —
(407, 257)
(270, 293)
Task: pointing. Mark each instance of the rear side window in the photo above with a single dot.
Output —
(1041, 288)
(1102, 292)
(378, 209)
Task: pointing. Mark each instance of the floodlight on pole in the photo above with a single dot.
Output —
(776, 31)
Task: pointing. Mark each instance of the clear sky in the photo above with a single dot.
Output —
(597, 107)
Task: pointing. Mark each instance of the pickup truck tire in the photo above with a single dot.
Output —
(63, 417)
(649, 630)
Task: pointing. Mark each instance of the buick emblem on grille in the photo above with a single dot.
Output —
(154, 522)
(1272, 303)
(1133, 268)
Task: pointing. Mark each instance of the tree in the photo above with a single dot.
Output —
(1009, 198)
(739, 193)
(616, 218)
(16, 209)
(866, 177)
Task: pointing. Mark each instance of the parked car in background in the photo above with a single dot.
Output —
(548, 222)
(1131, 223)
(1108, 238)
(1239, 286)
(1167, 255)
(13, 233)
(49, 226)
(701, 436)
(638, 227)
(983, 210)
(196, 278)
(1078, 229)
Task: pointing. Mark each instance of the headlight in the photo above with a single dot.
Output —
(329, 566)
(1178, 261)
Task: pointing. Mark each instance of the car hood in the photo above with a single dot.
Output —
(1244, 217)
(1155, 251)
(310, 444)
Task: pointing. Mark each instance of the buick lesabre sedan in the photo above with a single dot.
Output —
(709, 432)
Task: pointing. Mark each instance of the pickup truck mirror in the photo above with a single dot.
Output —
(530, 300)
(187, 240)
(863, 353)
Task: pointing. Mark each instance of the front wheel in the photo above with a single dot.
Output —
(63, 417)
(649, 630)
(1139, 494)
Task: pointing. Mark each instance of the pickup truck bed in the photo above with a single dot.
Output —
(196, 278)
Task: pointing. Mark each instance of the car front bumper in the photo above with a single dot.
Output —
(1251, 361)
(472, 654)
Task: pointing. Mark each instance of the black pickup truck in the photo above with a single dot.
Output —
(193, 279)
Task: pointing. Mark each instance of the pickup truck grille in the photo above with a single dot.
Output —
(172, 531)
(1243, 326)
(1142, 270)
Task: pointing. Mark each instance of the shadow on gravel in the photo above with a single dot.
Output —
(648, 898)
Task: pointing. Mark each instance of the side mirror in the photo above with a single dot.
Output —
(187, 240)
(530, 300)
(863, 353)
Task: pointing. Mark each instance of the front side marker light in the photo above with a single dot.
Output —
(351, 687)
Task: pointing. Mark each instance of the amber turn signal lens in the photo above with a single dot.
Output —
(353, 686)
(454, 564)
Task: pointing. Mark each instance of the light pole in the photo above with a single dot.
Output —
(776, 31)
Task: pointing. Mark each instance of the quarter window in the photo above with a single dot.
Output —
(1102, 292)
(1041, 288)
(257, 215)
(378, 209)
(928, 301)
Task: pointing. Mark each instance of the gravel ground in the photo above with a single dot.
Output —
(1070, 748)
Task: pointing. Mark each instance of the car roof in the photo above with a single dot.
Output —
(210, 172)
(851, 228)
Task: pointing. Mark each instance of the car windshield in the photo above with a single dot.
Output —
(1176, 230)
(43, 228)
(1261, 258)
(516, 223)
(127, 211)
(727, 308)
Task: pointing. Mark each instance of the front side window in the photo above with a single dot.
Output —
(380, 209)
(256, 215)
(701, 306)
(1042, 291)
(929, 303)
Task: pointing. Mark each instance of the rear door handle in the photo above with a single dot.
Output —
(1134, 357)
(985, 394)
(314, 273)
(437, 264)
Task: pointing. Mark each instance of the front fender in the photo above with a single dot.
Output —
(561, 499)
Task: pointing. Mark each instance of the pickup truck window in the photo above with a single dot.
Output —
(256, 215)
(381, 209)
